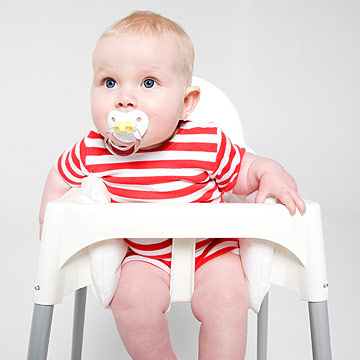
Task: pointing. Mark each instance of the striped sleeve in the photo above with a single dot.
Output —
(71, 164)
(227, 164)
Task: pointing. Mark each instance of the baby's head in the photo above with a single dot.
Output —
(149, 24)
(144, 62)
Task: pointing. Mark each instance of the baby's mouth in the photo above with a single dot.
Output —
(125, 132)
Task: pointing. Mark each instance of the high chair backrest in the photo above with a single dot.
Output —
(215, 106)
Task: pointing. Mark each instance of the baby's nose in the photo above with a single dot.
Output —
(125, 100)
(125, 104)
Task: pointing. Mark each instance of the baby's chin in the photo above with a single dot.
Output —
(151, 147)
(149, 143)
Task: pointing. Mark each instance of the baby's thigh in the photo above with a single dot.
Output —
(219, 285)
(142, 286)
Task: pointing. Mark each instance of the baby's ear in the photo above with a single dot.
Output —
(192, 96)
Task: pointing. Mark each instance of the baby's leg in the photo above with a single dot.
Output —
(220, 302)
(138, 307)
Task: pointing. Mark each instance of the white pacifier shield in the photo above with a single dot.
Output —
(125, 133)
(138, 118)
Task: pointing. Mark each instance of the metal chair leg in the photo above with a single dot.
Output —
(78, 325)
(40, 332)
(320, 332)
(262, 327)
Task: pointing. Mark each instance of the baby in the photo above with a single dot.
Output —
(144, 63)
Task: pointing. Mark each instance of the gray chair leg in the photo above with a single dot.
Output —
(40, 332)
(320, 332)
(78, 325)
(262, 327)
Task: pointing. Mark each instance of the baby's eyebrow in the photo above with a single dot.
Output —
(100, 73)
(152, 67)
(155, 71)
(101, 69)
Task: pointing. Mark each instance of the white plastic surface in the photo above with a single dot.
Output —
(182, 269)
(215, 106)
(70, 228)
(137, 118)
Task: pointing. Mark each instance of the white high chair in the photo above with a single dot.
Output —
(275, 247)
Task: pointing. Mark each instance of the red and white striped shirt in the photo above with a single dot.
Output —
(198, 164)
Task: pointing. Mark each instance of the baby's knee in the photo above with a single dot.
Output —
(130, 316)
(226, 302)
(139, 305)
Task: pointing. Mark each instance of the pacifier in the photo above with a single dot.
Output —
(125, 133)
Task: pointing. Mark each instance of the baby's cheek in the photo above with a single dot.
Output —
(153, 136)
(149, 138)
(100, 124)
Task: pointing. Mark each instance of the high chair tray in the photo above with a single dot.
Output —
(70, 227)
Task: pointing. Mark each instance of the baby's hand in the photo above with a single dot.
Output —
(274, 181)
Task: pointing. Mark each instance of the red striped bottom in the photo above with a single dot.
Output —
(213, 249)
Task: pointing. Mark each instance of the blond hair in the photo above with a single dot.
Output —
(149, 23)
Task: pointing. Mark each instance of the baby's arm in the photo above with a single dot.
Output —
(55, 188)
(271, 180)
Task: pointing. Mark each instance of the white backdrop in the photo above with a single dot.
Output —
(292, 70)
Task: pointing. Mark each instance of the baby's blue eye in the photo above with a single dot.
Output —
(149, 83)
(110, 83)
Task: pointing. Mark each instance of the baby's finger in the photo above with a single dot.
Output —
(300, 204)
(288, 201)
(261, 196)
